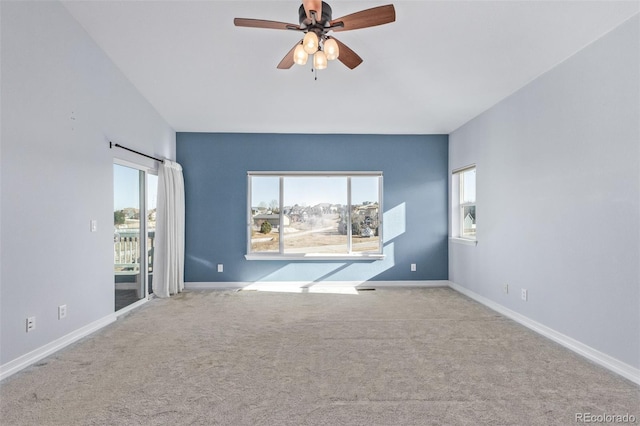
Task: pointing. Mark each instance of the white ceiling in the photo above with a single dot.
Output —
(439, 65)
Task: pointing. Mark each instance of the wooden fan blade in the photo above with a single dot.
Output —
(366, 18)
(287, 61)
(347, 56)
(310, 5)
(261, 23)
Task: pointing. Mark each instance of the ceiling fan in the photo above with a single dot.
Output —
(315, 22)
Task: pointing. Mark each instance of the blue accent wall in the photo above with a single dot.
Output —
(415, 169)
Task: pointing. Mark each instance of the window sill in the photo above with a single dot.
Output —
(314, 256)
(464, 241)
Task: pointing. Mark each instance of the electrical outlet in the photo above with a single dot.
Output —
(62, 311)
(413, 267)
(220, 267)
(31, 324)
(505, 288)
(524, 294)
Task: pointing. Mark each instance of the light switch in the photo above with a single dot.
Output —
(94, 225)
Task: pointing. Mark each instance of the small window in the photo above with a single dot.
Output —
(463, 198)
(314, 215)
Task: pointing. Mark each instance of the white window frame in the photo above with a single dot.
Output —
(281, 255)
(458, 205)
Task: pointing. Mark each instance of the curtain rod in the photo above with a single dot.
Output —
(111, 145)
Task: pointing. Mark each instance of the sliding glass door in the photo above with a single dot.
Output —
(134, 195)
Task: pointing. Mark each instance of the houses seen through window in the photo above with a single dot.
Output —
(314, 213)
(464, 198)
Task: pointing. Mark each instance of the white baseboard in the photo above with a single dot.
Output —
(606, 361)
(36, 355)
(625, 370)
(291, 285)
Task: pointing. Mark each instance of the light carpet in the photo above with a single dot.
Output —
(394, 356)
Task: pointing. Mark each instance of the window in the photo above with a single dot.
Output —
(314, 215)
(464, 203)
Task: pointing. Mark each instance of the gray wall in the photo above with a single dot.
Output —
(62, 101)
(558, 188)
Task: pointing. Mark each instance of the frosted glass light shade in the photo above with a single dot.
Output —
(310, 43)
(299, 55)
(331, 49)
(319, 60)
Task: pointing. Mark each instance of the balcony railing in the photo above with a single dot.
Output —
(126, 251)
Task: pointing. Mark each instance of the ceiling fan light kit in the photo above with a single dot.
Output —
(300, 56)
(331, 49)
(310, 43)
(315, 22)
(319, 60)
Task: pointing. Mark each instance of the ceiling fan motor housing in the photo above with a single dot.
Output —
(325, 14)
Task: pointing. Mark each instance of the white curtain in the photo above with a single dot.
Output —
(168, 259)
